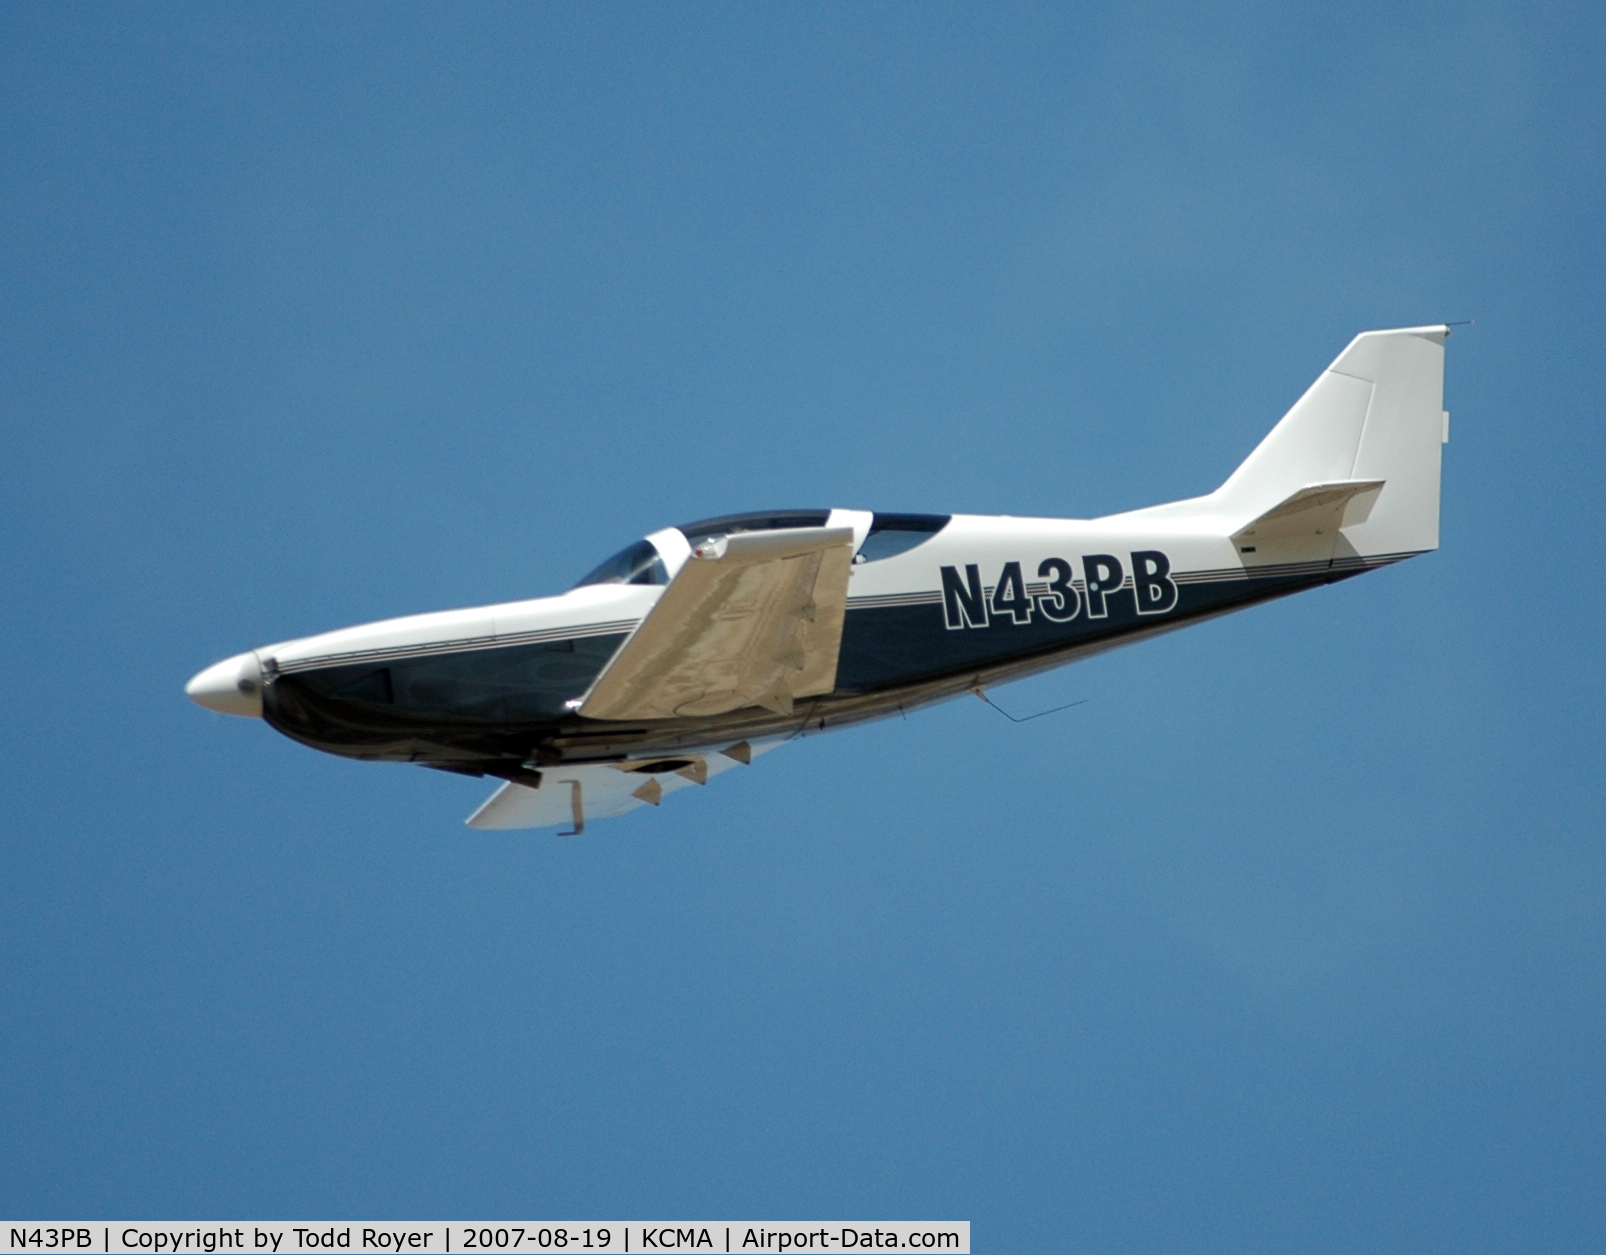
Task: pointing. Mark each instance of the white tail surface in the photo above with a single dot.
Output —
(1376, 415)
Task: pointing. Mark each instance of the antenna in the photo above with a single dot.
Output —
(981, 693)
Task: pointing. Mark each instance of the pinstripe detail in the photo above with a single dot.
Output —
(933, 598)
(394, 653)
(1282, 570)
(1220, 575)
(467, 644)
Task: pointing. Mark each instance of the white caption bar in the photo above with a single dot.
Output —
(454, 1237)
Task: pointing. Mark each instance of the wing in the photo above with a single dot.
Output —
(576, 795)
(753, 619)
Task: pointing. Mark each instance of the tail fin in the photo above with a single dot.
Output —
(1376, 414)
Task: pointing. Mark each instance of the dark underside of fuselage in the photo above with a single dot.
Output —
(496, 711)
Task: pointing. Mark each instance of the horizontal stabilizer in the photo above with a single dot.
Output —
(751, 619)
(576, 795)
(1315, 510)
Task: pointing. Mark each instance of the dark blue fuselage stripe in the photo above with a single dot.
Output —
(398, 653)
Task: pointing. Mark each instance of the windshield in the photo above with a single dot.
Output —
(639, 564)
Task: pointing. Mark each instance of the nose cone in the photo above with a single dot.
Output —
(231, 687)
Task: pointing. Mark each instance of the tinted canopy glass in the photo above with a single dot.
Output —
(760, 521)
(892, 534)
(638, 564)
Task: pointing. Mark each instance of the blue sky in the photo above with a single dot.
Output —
(1290, 938)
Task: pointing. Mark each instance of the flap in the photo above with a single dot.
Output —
(575, 794)
(1316, 510)
(751, 619)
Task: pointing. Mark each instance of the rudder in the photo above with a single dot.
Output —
(1377, 413)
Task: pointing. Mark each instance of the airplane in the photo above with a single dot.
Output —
(702, 646)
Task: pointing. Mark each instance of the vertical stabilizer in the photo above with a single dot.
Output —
(1375, 414)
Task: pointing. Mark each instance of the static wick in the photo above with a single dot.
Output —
(982, 693)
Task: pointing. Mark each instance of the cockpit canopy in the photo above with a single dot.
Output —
(890, 534)
(764, 521)
(636, 564)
